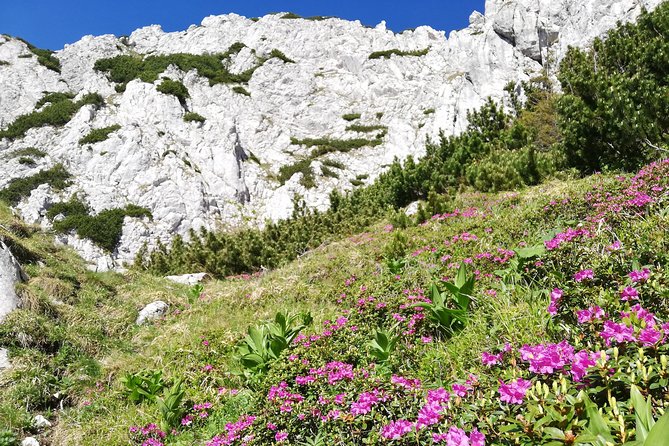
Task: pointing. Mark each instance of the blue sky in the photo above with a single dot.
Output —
(53, 23)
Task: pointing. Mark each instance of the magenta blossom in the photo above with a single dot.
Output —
(619, 332)
(592, 313)
(639, 275)
(489, 359)
(514, 391)
(556, 297)
(629, 293)
(584, 274)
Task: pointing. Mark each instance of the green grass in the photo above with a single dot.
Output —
(58, 113)
(174, 88)
(32, 152)
(124, 68)
(315, 282)
(25, 160)
(279, 55)
(351, 116)
(57, 177)
(386, 54)
(241, 90)
(99, 135)
(326, 145)
(366, 128)
(194, 117)
(104, 229)
(302, 166)
(44, 57)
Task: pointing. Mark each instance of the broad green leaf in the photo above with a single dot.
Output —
(659, 434)
(554, 433)
(643, 413)
(461, 277)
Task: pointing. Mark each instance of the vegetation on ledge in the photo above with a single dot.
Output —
(58, 113)
(386, 54)
(99, 135)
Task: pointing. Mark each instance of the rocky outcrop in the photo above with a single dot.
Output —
(223, 171)
(151, 312)
(10, 274)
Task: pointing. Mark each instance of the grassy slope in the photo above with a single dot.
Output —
(100, 322)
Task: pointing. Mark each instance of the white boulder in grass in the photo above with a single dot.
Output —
(188, 279)
(39, 422)
(151, 312)
(30, 441)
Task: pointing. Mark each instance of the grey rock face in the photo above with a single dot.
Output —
(10, 274)
(223, 171)
(154, 310)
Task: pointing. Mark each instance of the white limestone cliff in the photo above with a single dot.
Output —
(194, 175)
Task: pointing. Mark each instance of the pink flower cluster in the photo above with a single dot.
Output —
(285, 398)
(589, 315)
(556, 297)
(567, 236)
(580, 276)
(639, 325)
(458, 437)
(514, 391)
(234, 432)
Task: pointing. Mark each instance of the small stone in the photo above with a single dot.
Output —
(30, 441)
(154, 310)
(188, 279)
(4, 359)
(39, 422)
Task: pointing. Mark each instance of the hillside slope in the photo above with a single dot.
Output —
(279, 116)
(582, 264)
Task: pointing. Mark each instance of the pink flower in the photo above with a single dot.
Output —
(615, 246)
(281, 436)
(514, 391)
(396, 429)
(490, 359)
(639, 275)
(460, 390)
(556, 297)
(619, 332)
(650, 336)
(590, 314)
(584, 274)
(429, 414)
(583, 360)
(629, 293)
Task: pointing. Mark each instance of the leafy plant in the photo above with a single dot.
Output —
(170, 407)
(264, 344)
(458, 294)
(194, 293)
(7, 438)
(174, 88)
(145, 385)
(383, 345)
